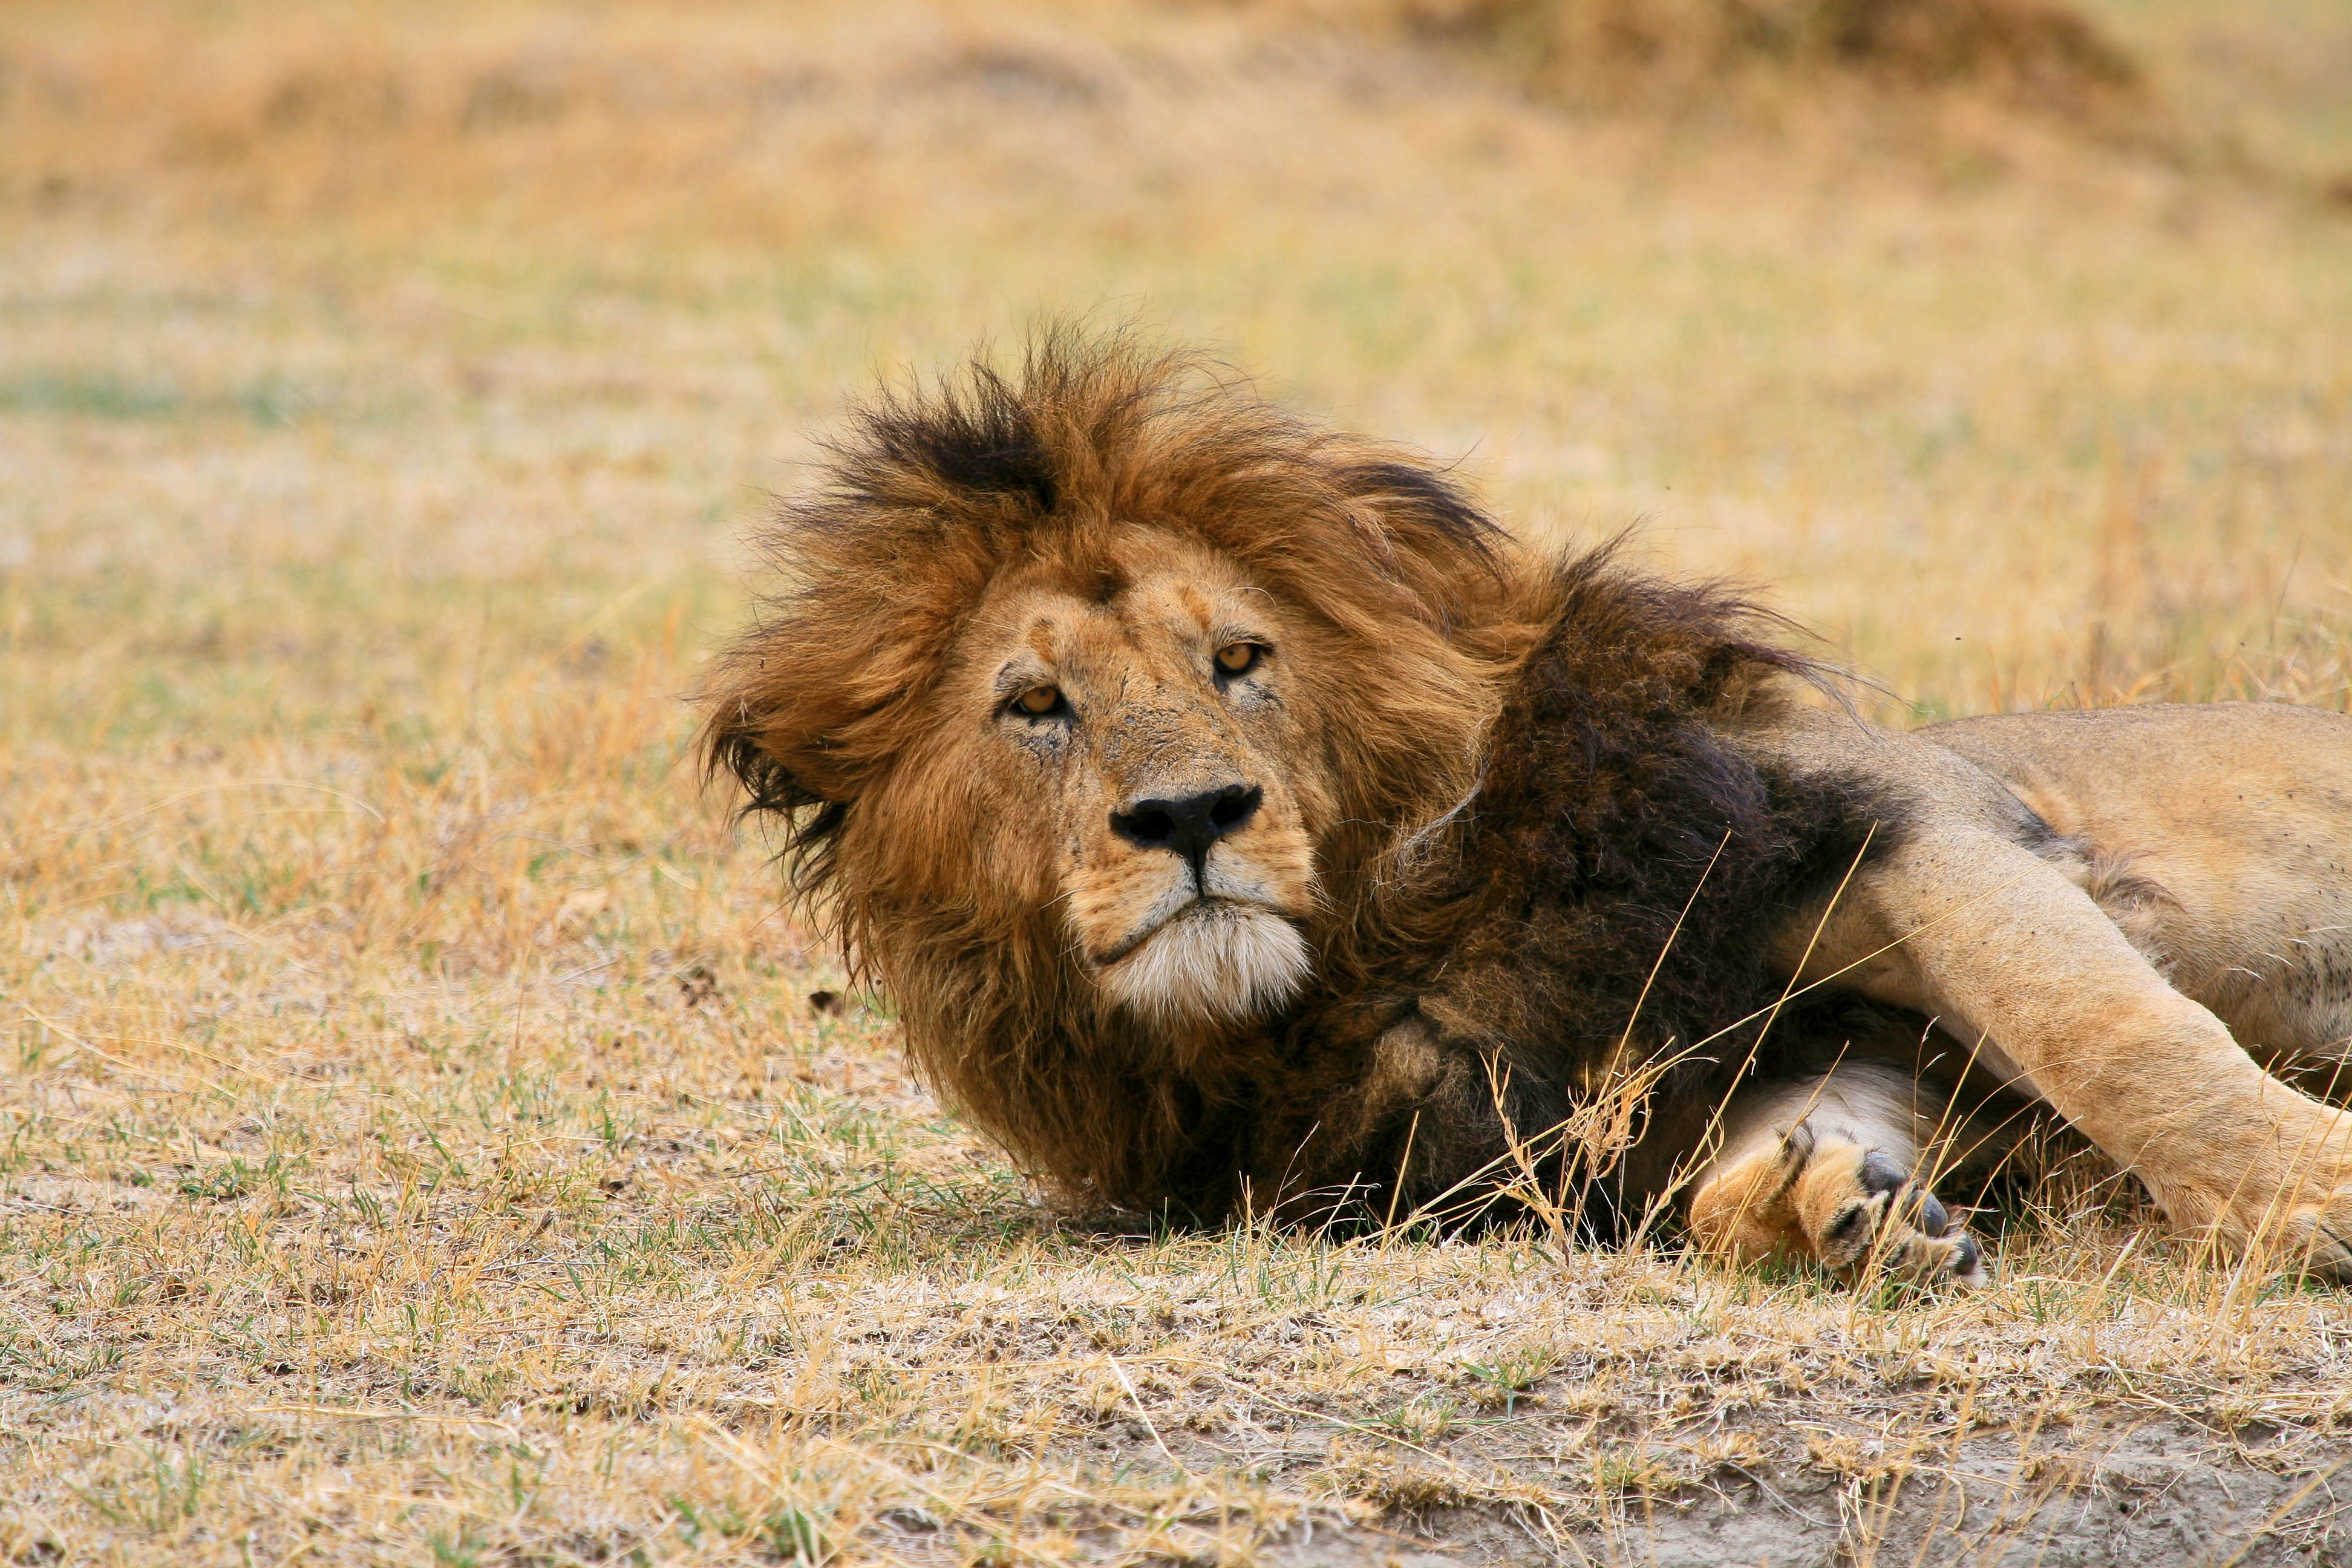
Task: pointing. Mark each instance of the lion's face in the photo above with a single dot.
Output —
(1102, 711)
(1144, 744)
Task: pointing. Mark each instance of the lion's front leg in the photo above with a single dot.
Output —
(1826, 1168)
(2001, 948)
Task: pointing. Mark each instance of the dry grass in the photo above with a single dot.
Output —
(419, 1141)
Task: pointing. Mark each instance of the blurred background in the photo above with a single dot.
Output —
(2008, 343)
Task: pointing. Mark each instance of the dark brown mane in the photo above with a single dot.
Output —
(1603, 911)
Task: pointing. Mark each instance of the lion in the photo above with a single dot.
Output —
(1244, 822)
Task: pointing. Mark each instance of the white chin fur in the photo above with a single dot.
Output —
(1215, 963)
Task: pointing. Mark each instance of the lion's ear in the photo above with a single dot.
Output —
(782, 773)
(777, 776)
(814, 707)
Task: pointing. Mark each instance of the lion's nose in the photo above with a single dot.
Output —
(1188, 826)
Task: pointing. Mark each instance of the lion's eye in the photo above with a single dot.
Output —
(1238, 658)
(1038, 700)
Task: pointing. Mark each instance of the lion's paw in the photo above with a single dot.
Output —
(2293, 1215)
(1855, 1208)
(1862, 1211)
(2315, 1238)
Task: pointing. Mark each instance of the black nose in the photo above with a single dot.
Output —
(1188, 826)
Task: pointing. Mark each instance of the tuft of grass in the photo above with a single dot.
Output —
(2055, 56)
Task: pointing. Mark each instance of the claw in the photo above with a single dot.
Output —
(1880, 1174)
(1933, 1218)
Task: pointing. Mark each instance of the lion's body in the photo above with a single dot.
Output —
(2219, 838)
(1239, 818)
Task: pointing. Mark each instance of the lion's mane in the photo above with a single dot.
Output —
(1549, 868)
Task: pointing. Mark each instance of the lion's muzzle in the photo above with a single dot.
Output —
(1213, 944)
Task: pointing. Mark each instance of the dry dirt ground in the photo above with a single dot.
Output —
(421, 1140)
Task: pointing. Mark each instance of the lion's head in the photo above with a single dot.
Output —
(1100, 702)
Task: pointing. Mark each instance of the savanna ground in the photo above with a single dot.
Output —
(420, 1143)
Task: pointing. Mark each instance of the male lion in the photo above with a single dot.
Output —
(1242, 820)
